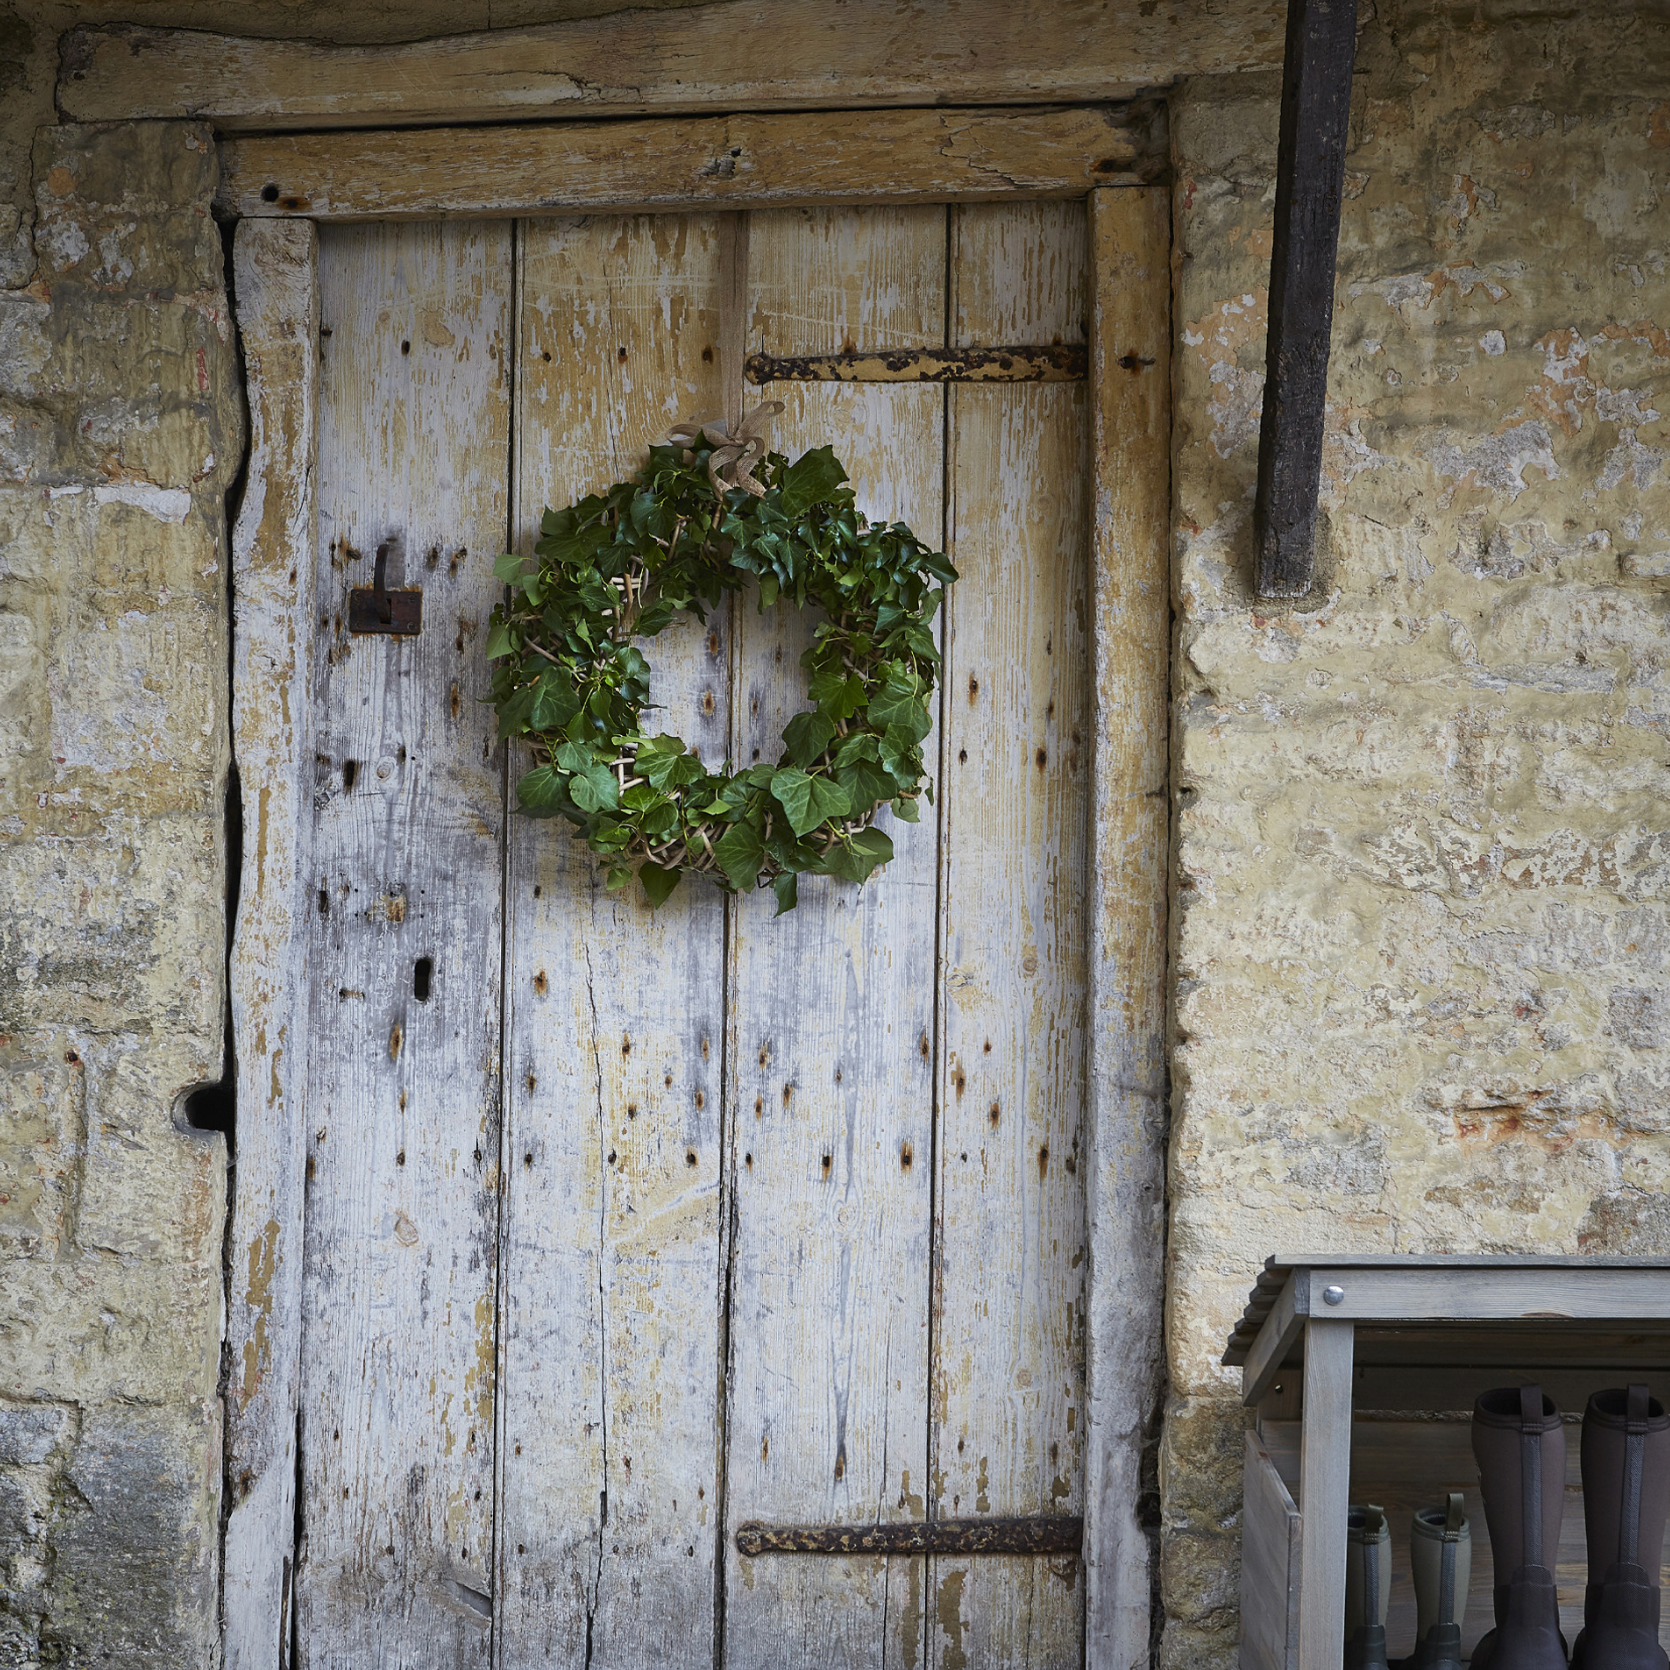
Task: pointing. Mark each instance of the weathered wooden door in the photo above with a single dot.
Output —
(623, 1230)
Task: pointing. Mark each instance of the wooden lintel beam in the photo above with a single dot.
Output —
(1310, 182)
(708, 59)
(820, 156)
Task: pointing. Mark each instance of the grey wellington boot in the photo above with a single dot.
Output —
(1368, 1587)
(1520, 1447)
(1520, 1450)
(1441, 1556)
(1626, 1493)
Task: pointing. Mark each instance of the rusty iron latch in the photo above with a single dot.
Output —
(375, 608)
(1054, 362)
(1030, 1534)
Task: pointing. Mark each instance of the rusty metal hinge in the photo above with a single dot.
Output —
(1031, 1534)
(1055, 362)
(375, 608)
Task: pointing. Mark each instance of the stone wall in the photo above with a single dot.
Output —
(1422, 953)
(120, 430)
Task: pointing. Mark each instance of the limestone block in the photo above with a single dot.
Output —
(25, 346)
(41, 1138)
(139, 692)
(133, 1539)
(125, 208)
(116, 932)
(29, 1432)
(100, 1327)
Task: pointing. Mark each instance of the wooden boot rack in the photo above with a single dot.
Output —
(1362, 1371)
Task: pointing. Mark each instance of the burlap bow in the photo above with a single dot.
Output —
(734, 456)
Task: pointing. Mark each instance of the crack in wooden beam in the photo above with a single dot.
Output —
(1310, 183)
(1056, 362)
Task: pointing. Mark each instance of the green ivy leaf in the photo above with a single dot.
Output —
(836, 695)
(807, 736)
(508, 568)
(556, 702)
(641, 796)
(901, 757)
(808, 800)
(813, 476)
(660, 821)
(514, 711)
(658, 883)
(499, 641)
(740, 852)
(898, 704)
(906, 810)
(540, 790)
(865, 784)
(854, 861)
(787, 889)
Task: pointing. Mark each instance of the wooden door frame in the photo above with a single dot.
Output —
(279, 186)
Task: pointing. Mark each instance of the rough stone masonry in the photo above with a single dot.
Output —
(1421, 956)
(1422, 952)
(120, 431)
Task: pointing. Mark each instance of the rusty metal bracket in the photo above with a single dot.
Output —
(375, 608)
(1032, 1534)
(1055, 362)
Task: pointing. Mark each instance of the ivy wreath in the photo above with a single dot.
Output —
(694, 525)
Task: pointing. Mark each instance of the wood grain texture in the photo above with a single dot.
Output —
(1276, 1339)
(616, 1018)
(1321, 47)
(1130, 612)
(1008, 1386)
(276, 286)
(1270, 1536)
(1324, 1486)
(717, 57)
(831, 1041)
(736, 160)
(403, 1151)
(1607, 1295)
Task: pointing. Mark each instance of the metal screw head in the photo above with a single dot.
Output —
(1333, 1295)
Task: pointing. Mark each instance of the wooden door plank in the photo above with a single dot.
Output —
(896, 156)
(402, 1199)
(277, 291)
(1130, 611)
(1009, 1348)
(719, 57)
(831, 1048)
(612, 1296)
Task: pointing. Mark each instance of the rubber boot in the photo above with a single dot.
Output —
(1368, 1587)
(1441, 1558)
(1520, 1447)
(1626, 1491)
